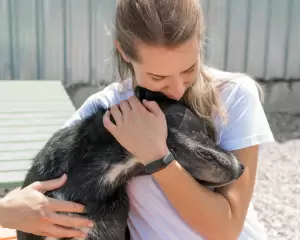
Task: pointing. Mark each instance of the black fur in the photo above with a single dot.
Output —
(87, 152)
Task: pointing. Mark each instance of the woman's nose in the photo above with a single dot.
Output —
(176, 90)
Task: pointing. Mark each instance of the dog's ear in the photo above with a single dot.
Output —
(143, 93)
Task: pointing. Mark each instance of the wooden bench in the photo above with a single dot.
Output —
(30, 112)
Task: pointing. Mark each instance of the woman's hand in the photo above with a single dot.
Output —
(140, 128)
(29, 210)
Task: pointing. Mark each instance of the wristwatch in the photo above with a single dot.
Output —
(159, 164)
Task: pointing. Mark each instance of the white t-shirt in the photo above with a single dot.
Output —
(151, 216)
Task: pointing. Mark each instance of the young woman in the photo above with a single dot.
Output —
(159, 46)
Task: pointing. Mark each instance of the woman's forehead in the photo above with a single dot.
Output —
(159, 60)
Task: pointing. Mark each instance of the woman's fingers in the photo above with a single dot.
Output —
(135, 104)
(125, 108)
(49, 185)
(65, 206)
(108, 124)
(69, 221)
(153, 107)
(117, 115)
(62, 232)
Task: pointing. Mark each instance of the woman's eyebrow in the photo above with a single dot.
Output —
(156, 75)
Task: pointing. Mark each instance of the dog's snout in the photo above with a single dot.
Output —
(242, 167)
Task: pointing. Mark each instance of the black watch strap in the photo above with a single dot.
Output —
(160, 163)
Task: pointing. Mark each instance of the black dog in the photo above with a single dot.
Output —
(99, 168)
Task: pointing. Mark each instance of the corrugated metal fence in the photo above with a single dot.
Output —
(260, 37)
(71, 39)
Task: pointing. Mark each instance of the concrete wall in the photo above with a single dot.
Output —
(282, 96)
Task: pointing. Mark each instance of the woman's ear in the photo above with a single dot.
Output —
(119, 48)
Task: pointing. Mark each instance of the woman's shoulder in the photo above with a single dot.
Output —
(110, 95)
(233, 85)
(247, 123)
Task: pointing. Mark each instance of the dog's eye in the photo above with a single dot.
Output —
(204, 155)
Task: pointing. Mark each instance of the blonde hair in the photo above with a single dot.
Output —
(170, 23)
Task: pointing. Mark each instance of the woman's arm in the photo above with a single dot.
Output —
(2, 212)
(221, 214)
(29, 210)
(202, 209)
(215, 215)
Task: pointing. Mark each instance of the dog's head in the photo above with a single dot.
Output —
(195, 151)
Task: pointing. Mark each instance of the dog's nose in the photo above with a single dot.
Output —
(241, 171)
(242, 168)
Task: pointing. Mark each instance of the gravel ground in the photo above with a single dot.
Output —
(277, 192)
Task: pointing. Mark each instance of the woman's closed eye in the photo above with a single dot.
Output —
(157, 78)
(190, 71)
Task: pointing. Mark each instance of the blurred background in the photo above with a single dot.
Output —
(56, 53)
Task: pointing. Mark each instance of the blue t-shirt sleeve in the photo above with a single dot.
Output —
(101, 99)
(86, 109)
(105, 98)
(247, 123)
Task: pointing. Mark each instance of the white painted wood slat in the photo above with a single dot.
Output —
(31, 89)
(6, 178)
(42, 115)
(14, 166)
(29, 129)
(17, 155)
(25, 137)
(30, 122)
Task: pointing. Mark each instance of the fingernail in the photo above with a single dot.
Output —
(63, 176)
(91, 224)
(84, 210)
